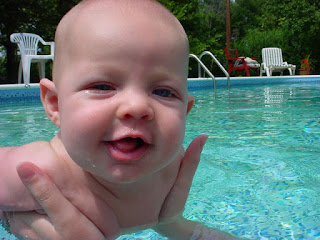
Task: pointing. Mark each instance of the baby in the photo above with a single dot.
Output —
(119, 96)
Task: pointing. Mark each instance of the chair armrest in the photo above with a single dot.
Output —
(51, 44)
(51, 47)
(243, 61)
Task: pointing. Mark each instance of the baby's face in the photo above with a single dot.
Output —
(123, 98)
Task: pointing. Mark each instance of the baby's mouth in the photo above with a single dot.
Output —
(127, 148)
(128, 144)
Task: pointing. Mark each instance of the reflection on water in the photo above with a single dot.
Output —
(259, 174)
(21, 123)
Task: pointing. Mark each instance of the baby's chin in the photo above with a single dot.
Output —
(134, 174)
(118, 179)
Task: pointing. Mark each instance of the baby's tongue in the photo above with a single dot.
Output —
(127, 144)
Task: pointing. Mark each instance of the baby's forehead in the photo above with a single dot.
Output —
(88, 15)
(98, 16)
(128, 6)
(126, 10)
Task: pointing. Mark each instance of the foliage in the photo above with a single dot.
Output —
(245, 16)
(255, 40)
(202, 25)
(300, 22)
(256, 24)
(197, 23)
(293, 26)
(2, 63)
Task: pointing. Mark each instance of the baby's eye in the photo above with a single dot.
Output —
(163, 93)
(103, 87)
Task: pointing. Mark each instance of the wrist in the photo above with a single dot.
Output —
(177, 228)
(169, 220)
(183, 229)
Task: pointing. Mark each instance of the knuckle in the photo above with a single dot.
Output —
(44, 194)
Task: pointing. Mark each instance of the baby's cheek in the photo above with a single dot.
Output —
(176, 136)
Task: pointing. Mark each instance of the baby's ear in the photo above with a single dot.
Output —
(190, 103)
(49, 98)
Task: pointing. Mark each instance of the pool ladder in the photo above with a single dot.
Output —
(202, 65)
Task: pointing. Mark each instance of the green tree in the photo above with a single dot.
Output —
(245, 16)
(255, 39)
(300, 23)
(203, 26)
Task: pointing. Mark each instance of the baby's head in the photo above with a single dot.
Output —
(120, 92)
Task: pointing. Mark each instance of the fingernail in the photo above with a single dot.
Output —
(25, 171)
(203, 142)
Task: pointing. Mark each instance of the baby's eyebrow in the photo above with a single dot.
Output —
(106, 71)
(162, 73)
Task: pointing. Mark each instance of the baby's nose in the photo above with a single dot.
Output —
(136, 106)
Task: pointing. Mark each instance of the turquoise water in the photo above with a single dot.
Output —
(259, 175)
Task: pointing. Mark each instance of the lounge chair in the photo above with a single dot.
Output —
(28, 46)
(272, 62)
(240, 63)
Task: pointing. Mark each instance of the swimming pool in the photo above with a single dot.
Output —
(259, 174)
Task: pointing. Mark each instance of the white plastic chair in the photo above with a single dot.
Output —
(272, 62)
(28, 46)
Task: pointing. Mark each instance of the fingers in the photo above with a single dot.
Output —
(175, 201)
(45, 192)
(22, 225)
(60, 211)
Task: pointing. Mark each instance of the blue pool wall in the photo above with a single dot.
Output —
(19, 92)
(242, 81)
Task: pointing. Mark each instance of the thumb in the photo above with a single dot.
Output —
(190, 162)
(175, 201)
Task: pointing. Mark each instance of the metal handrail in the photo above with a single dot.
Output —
(200, 63)
(217, 62)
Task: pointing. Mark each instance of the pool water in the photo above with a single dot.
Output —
(259, 174)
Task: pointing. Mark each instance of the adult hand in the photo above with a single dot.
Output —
(62, 221)
(176, 199)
